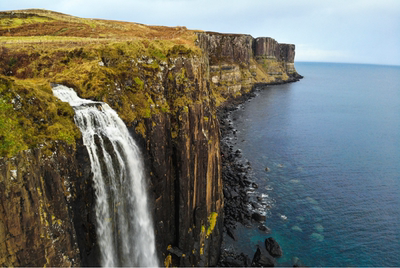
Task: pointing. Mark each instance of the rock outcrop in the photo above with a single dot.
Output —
(183, 157)
(267, 51)
(262, 259)
(273, 247)
(238, 62)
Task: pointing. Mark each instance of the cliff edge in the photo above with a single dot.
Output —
(164, 82)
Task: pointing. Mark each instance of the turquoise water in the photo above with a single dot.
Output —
(332, 143)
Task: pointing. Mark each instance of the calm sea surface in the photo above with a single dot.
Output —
(332, 143)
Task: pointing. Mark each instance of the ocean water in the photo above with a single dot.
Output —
(332, 144)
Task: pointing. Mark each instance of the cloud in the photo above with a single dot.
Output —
(306, 52)
(356, 30)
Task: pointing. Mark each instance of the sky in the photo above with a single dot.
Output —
(350, 31)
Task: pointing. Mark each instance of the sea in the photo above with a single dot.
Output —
(331, 143)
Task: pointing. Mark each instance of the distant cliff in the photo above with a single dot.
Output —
(166, 86)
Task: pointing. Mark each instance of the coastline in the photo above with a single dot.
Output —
(237, 182)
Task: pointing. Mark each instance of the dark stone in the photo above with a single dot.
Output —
(273, 247)
(227, 193)
(262, 259)
(234, 194)
(264, 229)
(234, 260)
(231, 261)
(231, 233)
(258, 217)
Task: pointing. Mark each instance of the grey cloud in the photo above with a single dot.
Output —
(365, 31)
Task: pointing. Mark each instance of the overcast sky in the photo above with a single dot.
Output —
(359, 31)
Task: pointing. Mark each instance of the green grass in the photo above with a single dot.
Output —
(31, 115)
(11, 134)
(13, 22)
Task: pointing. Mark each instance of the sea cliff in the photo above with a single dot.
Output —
(166, 83)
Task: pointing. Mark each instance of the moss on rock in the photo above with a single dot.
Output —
(31, 115)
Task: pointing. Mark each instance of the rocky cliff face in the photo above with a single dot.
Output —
(228, 48)
(168, 97)
(237, 62)
(36, 224)
(182, 153)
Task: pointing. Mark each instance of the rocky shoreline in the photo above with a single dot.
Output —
(238, 206)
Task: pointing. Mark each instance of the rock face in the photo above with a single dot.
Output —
(266, 47)
(36, 224)
(182, 152)
(268, 52)
(47, 199)
(228, 48)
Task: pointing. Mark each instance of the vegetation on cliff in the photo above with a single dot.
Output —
(139, 70)
(110, 61)
(30, 115)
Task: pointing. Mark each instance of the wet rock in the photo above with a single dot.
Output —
(262, 259)
(264, 229)
(258, 217)
(273, 247)
(238, 153)
(247, 182)
(227, 193)
(231, 233)
(233, 260)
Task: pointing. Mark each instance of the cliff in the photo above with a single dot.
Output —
(36, 225)
(165, 83)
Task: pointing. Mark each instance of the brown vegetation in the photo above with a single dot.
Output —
(37, 24)
(98, 58)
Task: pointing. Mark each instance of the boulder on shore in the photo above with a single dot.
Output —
(264, 229)
(273, 247)
(258, 217)
(262, 259)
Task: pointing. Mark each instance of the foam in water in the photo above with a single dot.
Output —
(124, 227)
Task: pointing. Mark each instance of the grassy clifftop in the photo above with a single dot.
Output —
(36, 25)
(139, 70)
(39, 47)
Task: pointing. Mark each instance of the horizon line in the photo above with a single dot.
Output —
(337, 62)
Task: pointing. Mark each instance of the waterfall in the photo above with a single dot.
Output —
(124, 227)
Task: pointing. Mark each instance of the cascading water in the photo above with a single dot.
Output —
(124, 227)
